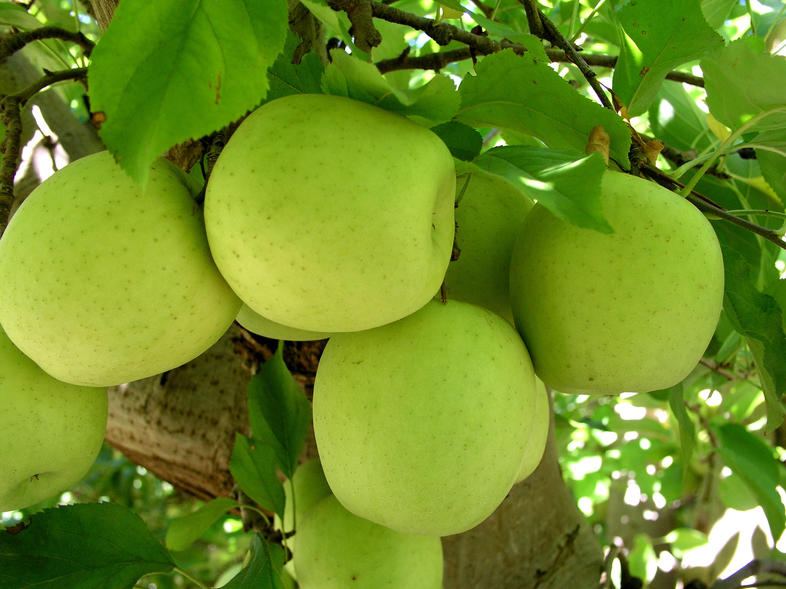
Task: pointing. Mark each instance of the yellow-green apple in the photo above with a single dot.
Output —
(103, 281)
(328, 214)
(538, 435)
(255, 323)
(421, 424)
(50, 431)
(336, 550)
(489, 213)
(632, 310)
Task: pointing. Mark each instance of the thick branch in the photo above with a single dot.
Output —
(12, 43)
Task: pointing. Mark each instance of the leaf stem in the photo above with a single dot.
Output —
(190, 578)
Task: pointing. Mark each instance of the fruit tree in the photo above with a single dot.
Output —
(406, 294)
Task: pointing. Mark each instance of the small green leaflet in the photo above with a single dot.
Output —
(657, 37)
(524, 95)
(186, 530)
(687, 428)
(463, 141)
(717, 11)
(351, 77)
(84, 546)
(279, 412)
(563, 181)
(253, 466)
(749, 458)
(288, 78)
(171, 70)
(263, 570)
(757, 316)
(743, 83)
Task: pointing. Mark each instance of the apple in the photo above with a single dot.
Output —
(103, 281)
(538, 435)
(336, 550)
(50, 431)
(328, 214)
(489, 213)
(631, 310)
(421, 424)
(255, 323)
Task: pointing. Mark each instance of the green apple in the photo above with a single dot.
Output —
(331, 215)
(631, 310)
(421, 424)
(50, 431)
(489, 213)
(255, 323)
(103, 281)
(538, 435)
(337, 549)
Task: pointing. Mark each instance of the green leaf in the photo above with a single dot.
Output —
(642, 559)
(717, 11)
(749, 457)
(263, 570)
(463, 141)
(563, 181)
(757, 316)
(253, 466)
(171, 70)
(351, 77)
(288, 78)
(684, 539)
(85, 546)
(184, 531)
(521, 94)
(16, 16)
(742, 83)
(687, 428)
(279, 411)
(658, 36)
(678, 121)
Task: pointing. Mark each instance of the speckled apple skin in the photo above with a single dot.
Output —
(421, 424)
(489, 214)
(337, 549)
(255, 323)
(328, 214)
(50, 431)
(538, 433)
(103, 282)
(631, 310)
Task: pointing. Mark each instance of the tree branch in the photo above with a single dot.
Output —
(754, 567)
(13, 43)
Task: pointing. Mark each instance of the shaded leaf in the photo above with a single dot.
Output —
(717, 11)
(463, 141)
(184, 531)
(659, 36)
(521, 94)
(253, 466)
(263, 570)
(564, 182)
(288, 78)
(84, 546)
(279, 412)
(749, 457)
(687, 428)
(743, 83)
(349, 76)
(157, 57)
(677, 120)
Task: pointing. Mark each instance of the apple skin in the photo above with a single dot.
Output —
(50, 431)
(336, 550)
(421, 424)
(489, 214)
(328, 214)
(255, 323)
(103, 282)
(539, 433)
(631, 310)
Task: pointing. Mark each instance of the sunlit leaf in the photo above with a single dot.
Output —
(171, 70)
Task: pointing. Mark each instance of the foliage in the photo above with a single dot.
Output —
(507, 97)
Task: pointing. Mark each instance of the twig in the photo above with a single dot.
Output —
(11, 116)
(754, 567)
(715, 367)
(12, 43)
(533, 17)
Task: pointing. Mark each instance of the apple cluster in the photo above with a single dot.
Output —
(328, 217)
